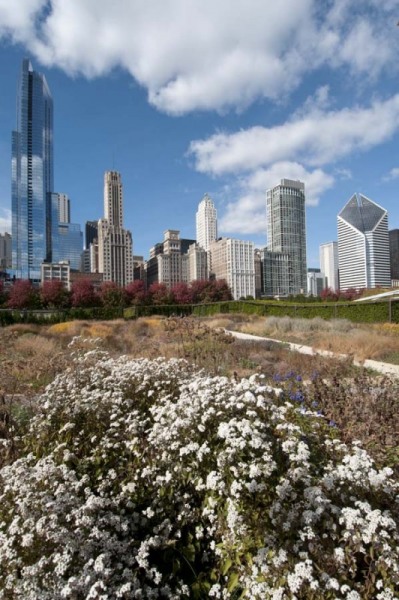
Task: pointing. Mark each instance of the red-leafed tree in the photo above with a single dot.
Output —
(159, 293)
(181, 294)
(199, 290)
(350, 294)
(83, 294)
(136, 292)
(328, 295)
(111, 295)
(54, 295)
(23, 295)
(204, 290)
(220, 291)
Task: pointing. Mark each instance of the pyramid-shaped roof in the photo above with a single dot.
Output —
(362, 213)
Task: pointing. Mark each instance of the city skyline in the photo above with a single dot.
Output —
(233, 141)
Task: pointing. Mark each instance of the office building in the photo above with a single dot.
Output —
(57, 272)
(64, 209)
(286, 235)
(68, 244)
(329, 264)
(276, 274)
(206, 223)
(197, 263)
(34, 208)
(170, 260)
(5, 251)
(115, 245)
(234, 261)
(91, 233)
(363, 244)
(394, 253)
(316, 282)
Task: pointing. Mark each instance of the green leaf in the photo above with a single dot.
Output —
(233, 582)
(226, 565)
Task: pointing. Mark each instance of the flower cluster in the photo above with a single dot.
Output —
(147, 479)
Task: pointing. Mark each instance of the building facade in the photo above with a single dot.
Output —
(316, 282)
(5, 251)
(363, 244)
(57, 272)
(33, 206)
(64, 208)
(115, 244)
(394, 253)
(206, 223)
(286, 234)
(234, 261)
(329, 264)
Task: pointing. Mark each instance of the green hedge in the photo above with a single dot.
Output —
(365, 312)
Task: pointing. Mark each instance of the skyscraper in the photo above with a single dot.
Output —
(115, 246)
(363, 244)
(286, 235)
(34, 208)
(64, 209)
(329, 264)
(206, 223)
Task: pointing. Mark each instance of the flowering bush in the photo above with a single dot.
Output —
(147, 479)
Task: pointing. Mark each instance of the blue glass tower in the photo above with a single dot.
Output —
(33, 209)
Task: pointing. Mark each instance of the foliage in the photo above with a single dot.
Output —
(112, 295)
(3, 294)
(215, 290)
(136, 292)
(54, 295)
(159, 294)
(145, 479)
(83, 294)
(181, 294)
(23, 295)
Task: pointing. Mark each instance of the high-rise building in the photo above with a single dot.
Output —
(34, 208)
(64, 209)
(329, 264)
(286, 233)
(206, 223)
(394, 253)
(115, 246)
(5, 250)
(234, 261)
(363, 244)
(91, 233)
(316, 282)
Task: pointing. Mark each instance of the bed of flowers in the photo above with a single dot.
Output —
(149, 479)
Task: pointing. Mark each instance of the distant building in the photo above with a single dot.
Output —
(276, 268)
(286, 235)
(258, 273)
(5, 251)
(91, 232)
(234, 261)
(85, 261)
(64, 208)
(115, 245)
(394, 253)
(57, 272)
(329, 264)
(316, 282)
(197, 263)
(170, 260)
(34, 208)
(68, 244)
(363, 244)
(206, 223)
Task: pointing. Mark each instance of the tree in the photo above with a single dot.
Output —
(23, 295)
(328, 295)
(215, 290)
(3, 293)
(220, 291)
(112, 295)
(199, 290)
(181, 294)
(54, 295)
(159, 293)
(136, 292)
(83, 294)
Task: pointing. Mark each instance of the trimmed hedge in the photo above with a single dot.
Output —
(370, 312)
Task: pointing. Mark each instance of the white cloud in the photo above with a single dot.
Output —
(247, 213)
(192, 54)
(316, 139)
(393, 174)
(5, 220)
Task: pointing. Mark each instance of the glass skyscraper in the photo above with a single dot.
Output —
(34, 210)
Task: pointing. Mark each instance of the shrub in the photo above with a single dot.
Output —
(146, 479)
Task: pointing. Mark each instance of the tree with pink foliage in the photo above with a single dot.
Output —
(54, 295)
(181, 294)
(23, 295)
(136, 292)
(83, 294)
(112, 295)
(159, 294)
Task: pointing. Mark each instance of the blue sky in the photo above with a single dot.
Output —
(185, 97)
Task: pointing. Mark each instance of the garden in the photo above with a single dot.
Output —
(162, 458)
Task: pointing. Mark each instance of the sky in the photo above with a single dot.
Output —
(226, 97)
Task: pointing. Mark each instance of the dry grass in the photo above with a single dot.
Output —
(378, 342)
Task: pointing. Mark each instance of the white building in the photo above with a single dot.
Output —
(329, 264)
(115, 245)
(234, 261)
(316, 282)
(363, 244)
(197, 263)
(64, 208)
(286, 234)
(57, 272)
(206, 223)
